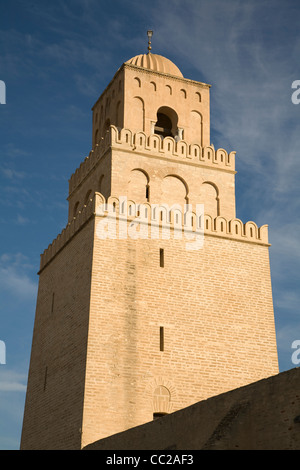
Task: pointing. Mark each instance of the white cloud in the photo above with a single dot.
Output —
(11, 150)
(12, 174)
(21, 220)
(15, 278)
(12, 381)
(289, 300)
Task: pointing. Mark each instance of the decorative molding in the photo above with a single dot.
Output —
(155, 215)
(152, 145)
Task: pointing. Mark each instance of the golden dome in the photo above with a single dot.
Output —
(155, 62)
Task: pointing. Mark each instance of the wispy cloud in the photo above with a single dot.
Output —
(12, 381)
(15, 277)
(248, 52)
(20, 220)
(12, 174)
(251, 109)
(251, 106)
(11, 150)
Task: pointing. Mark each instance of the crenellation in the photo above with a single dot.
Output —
(159, 215)
(67, 234)
(153, 145)
(87, 165)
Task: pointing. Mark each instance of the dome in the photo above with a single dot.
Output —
(155, 62)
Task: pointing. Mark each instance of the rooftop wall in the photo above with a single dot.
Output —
(264, 415)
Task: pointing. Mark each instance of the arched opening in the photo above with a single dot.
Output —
(138, 186)
(100, 185)
(75, 209)
(97, 136)
(138, 111)
(174, 190)
(161, 402)
(163, 125)
(106, 127)
(196, 127)
(118, 115)
(137, 81)
(166, 124)
(210, 197)
(87, 197)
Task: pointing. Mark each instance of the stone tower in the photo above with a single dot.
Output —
(133, 320)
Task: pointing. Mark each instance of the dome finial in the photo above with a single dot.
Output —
(149, 34)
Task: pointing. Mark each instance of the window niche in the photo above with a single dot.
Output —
(166, 123)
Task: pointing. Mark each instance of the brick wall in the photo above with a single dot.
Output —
(97, 364)
(260, 416)
(215, 306)
(54, 399)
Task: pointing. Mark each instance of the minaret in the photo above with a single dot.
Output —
(133, 321)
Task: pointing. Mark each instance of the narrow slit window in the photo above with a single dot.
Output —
(161, 338)
(45, 378)
(161, 258)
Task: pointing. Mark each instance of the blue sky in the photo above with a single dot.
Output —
(57, 57)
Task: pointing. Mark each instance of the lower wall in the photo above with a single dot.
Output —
(55, 390)
(264, 415)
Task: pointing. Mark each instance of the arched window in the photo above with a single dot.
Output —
(137, 81)
(161, 402)
(106, 126)
(100, 185)
(97, 136)
(138, 111)
(118, 115)
(210, 198)
(138, 186)
(75, 210)
(163, 125)
(87, 197)
(196, 127)
(166, 124)
(174, 190)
